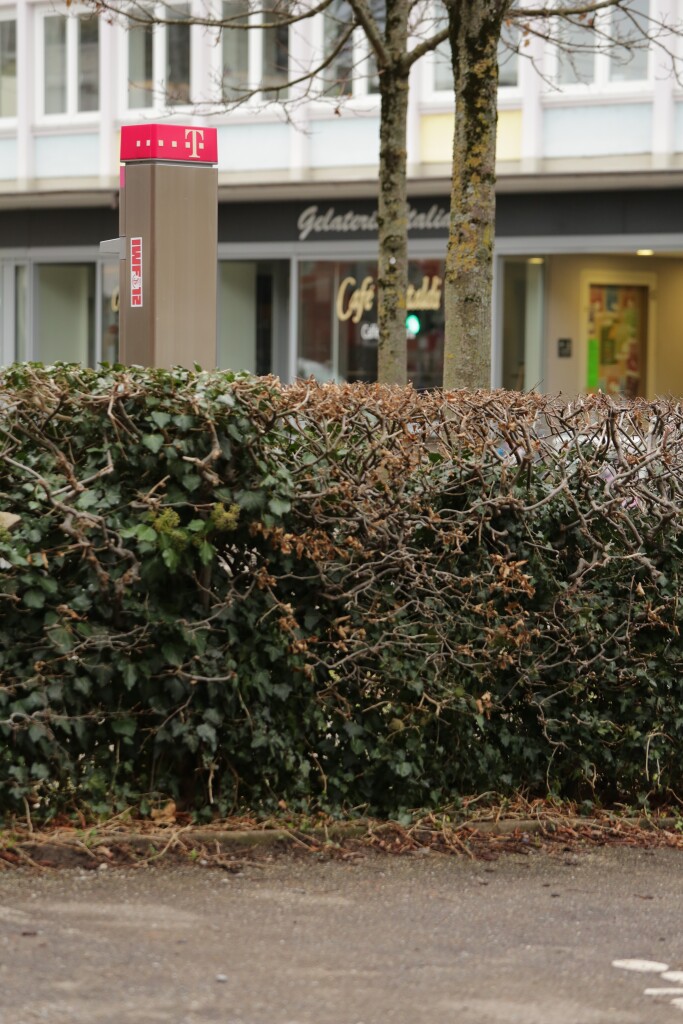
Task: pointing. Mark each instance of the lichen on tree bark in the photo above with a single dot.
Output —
(393, 199)
(474, 32)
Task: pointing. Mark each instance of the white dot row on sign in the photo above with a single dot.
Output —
(174, 144)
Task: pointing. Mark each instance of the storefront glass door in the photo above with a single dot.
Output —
(522, 324)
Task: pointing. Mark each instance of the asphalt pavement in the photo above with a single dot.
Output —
(561, 938)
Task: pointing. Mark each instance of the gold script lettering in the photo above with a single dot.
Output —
(427, 296)
(359, 301)
(352, 302)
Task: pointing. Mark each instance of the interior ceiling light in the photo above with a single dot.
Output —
(645, 252)
(536, 260)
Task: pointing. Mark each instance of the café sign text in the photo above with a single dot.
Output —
(353, 299)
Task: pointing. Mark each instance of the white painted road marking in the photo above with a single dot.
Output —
(644, 966)
(654, 967)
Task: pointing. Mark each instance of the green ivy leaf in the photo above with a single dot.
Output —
(124, 726)
(153, 441)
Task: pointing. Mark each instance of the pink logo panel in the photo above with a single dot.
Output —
(187, 143)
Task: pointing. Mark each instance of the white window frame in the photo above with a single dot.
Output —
(72, 113)
(360, 99)
(10, 13)
(257, 102)
(508, 95)
(600, 88)
(157, 102)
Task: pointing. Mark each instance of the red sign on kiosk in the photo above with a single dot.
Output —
(186, 143)
(136, 271)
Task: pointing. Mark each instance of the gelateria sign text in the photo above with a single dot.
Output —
(354, 299)
(316, 221)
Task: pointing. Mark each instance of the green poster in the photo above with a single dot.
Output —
(593, 378)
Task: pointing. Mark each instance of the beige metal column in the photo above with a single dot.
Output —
(169, 236)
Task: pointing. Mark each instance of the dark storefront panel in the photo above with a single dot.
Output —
(517, 215)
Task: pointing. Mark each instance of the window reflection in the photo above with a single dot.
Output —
(338, 328)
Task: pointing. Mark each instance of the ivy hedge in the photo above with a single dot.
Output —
(233, 593)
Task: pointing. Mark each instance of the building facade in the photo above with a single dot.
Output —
(589, 248)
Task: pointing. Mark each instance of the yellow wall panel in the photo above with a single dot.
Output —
(436, 137)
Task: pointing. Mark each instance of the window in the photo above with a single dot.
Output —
(140, 66)
(177, 76)
(338, 329)
(338, 76)
(159, 62)
(55, 101)
(613, 48)
(275, 54)
(379, 13)
(235, 49)
(64, 313)
(70, 64)
(628, 61)
(8, 67)
(508, 57)
(87, 48)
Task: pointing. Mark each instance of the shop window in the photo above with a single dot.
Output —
(64, 313)
(246, 315)
(523, 291)
(159, 76)
(8, 66)
(70, 52)
(109, 314)
(338, 329)
(21, 340)
(617, 345)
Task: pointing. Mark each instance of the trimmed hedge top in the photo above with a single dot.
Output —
(235, 593)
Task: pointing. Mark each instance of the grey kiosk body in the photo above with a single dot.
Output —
(168, 246)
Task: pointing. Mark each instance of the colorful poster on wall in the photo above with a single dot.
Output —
(617, 339)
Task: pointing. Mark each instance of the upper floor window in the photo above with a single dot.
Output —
(508, 57)
(159, 58)
(350, 63)
(612, 48)
(379, 13)
(275, 53)
(254, 50)
(235, 49)
(8, 66)
(70, 52)
(338, 47)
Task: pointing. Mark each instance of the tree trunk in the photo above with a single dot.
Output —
(392, 212)
(474, 30)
